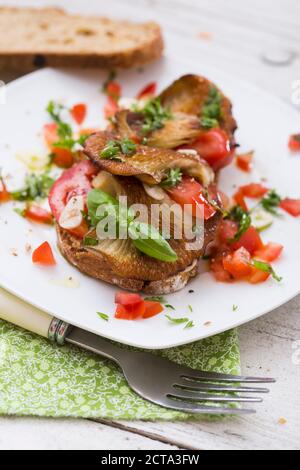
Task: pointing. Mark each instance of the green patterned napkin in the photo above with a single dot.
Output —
(41, 379)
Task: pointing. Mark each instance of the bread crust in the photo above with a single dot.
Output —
(85, 42)
(97, 266)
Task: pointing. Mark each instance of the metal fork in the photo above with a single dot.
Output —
(170, 385)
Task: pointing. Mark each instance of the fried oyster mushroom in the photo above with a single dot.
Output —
(179, 114)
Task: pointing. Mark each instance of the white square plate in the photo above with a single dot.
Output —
(264, 125)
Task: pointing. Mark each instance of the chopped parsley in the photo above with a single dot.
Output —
(64, 130)
(271, 202)
(211, 111)
(266, 268)
(177, 321)
(36, 187)
(154, 115)
(190, 324)
(234, 308)
(103, 316)
(190, 308)
(113, 149)
(244, 220)
(173, 179)
(158, 298)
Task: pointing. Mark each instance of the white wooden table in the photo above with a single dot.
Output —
(239, 33)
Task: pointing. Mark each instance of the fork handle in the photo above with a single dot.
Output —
(96, 344)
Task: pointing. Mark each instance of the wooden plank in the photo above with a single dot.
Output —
(70, 434)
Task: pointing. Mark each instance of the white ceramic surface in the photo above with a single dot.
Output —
(264, 124)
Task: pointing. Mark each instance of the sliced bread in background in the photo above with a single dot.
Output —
(33, 38)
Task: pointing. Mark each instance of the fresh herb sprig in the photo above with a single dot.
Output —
(103, 316)
(271, 202)
(145, 237)
(173, 179)
(266, 268)
(36, 187)
(243, 218)
(211, 111)
(154, 115)
(114, 148)
(64, 130)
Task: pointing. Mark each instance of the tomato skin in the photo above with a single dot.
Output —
(80, 231)
(114, 90)
(214, 147)
(218, 270)
(269, 252)
(152, 309)
(50, 134)
(78, 113)
(62, 157)
(73, 182)
(38, 214)
(130, 312)
(148, 91)
(294, 143)
(110, 108)
(4, 194)
(254, 190)
(257, 276)
(127, 298)
(227, 231)
(291, 206)
(189, 191)
(250, 240)
(244, 161)
(43, 255)
(239, 199)
(238, 263)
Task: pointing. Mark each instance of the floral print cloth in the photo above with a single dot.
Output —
(42, 379)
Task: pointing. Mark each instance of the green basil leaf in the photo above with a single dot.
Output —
(266, 268)
(90, 241)
(177, 321)
(95, 199)
(149, 241)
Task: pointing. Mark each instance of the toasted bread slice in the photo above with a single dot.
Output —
(120, 263)
(31, 38)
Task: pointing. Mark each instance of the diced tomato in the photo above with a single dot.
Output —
(238, 264)
(110, 108)
(50, 134)
(152, 309)
(292, 206)
(244, 161)
(189, 191)
(257, 276)
(269, 252)
(4, 194)
(148, 90)
(38, 214)
(294, 143)
(214, 147)
(75, 181)
(62, 157)
(240, 200)
(130, 312)
(114, 90)
(250, 240)
(127, 298)
(219, 272)
(79, 112)
(254, 190)
(227, 231)
(135, 138)
(43, 255)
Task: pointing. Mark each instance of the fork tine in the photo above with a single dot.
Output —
(194, 386)
(185, 394)
(194, 408)
(193, 374)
